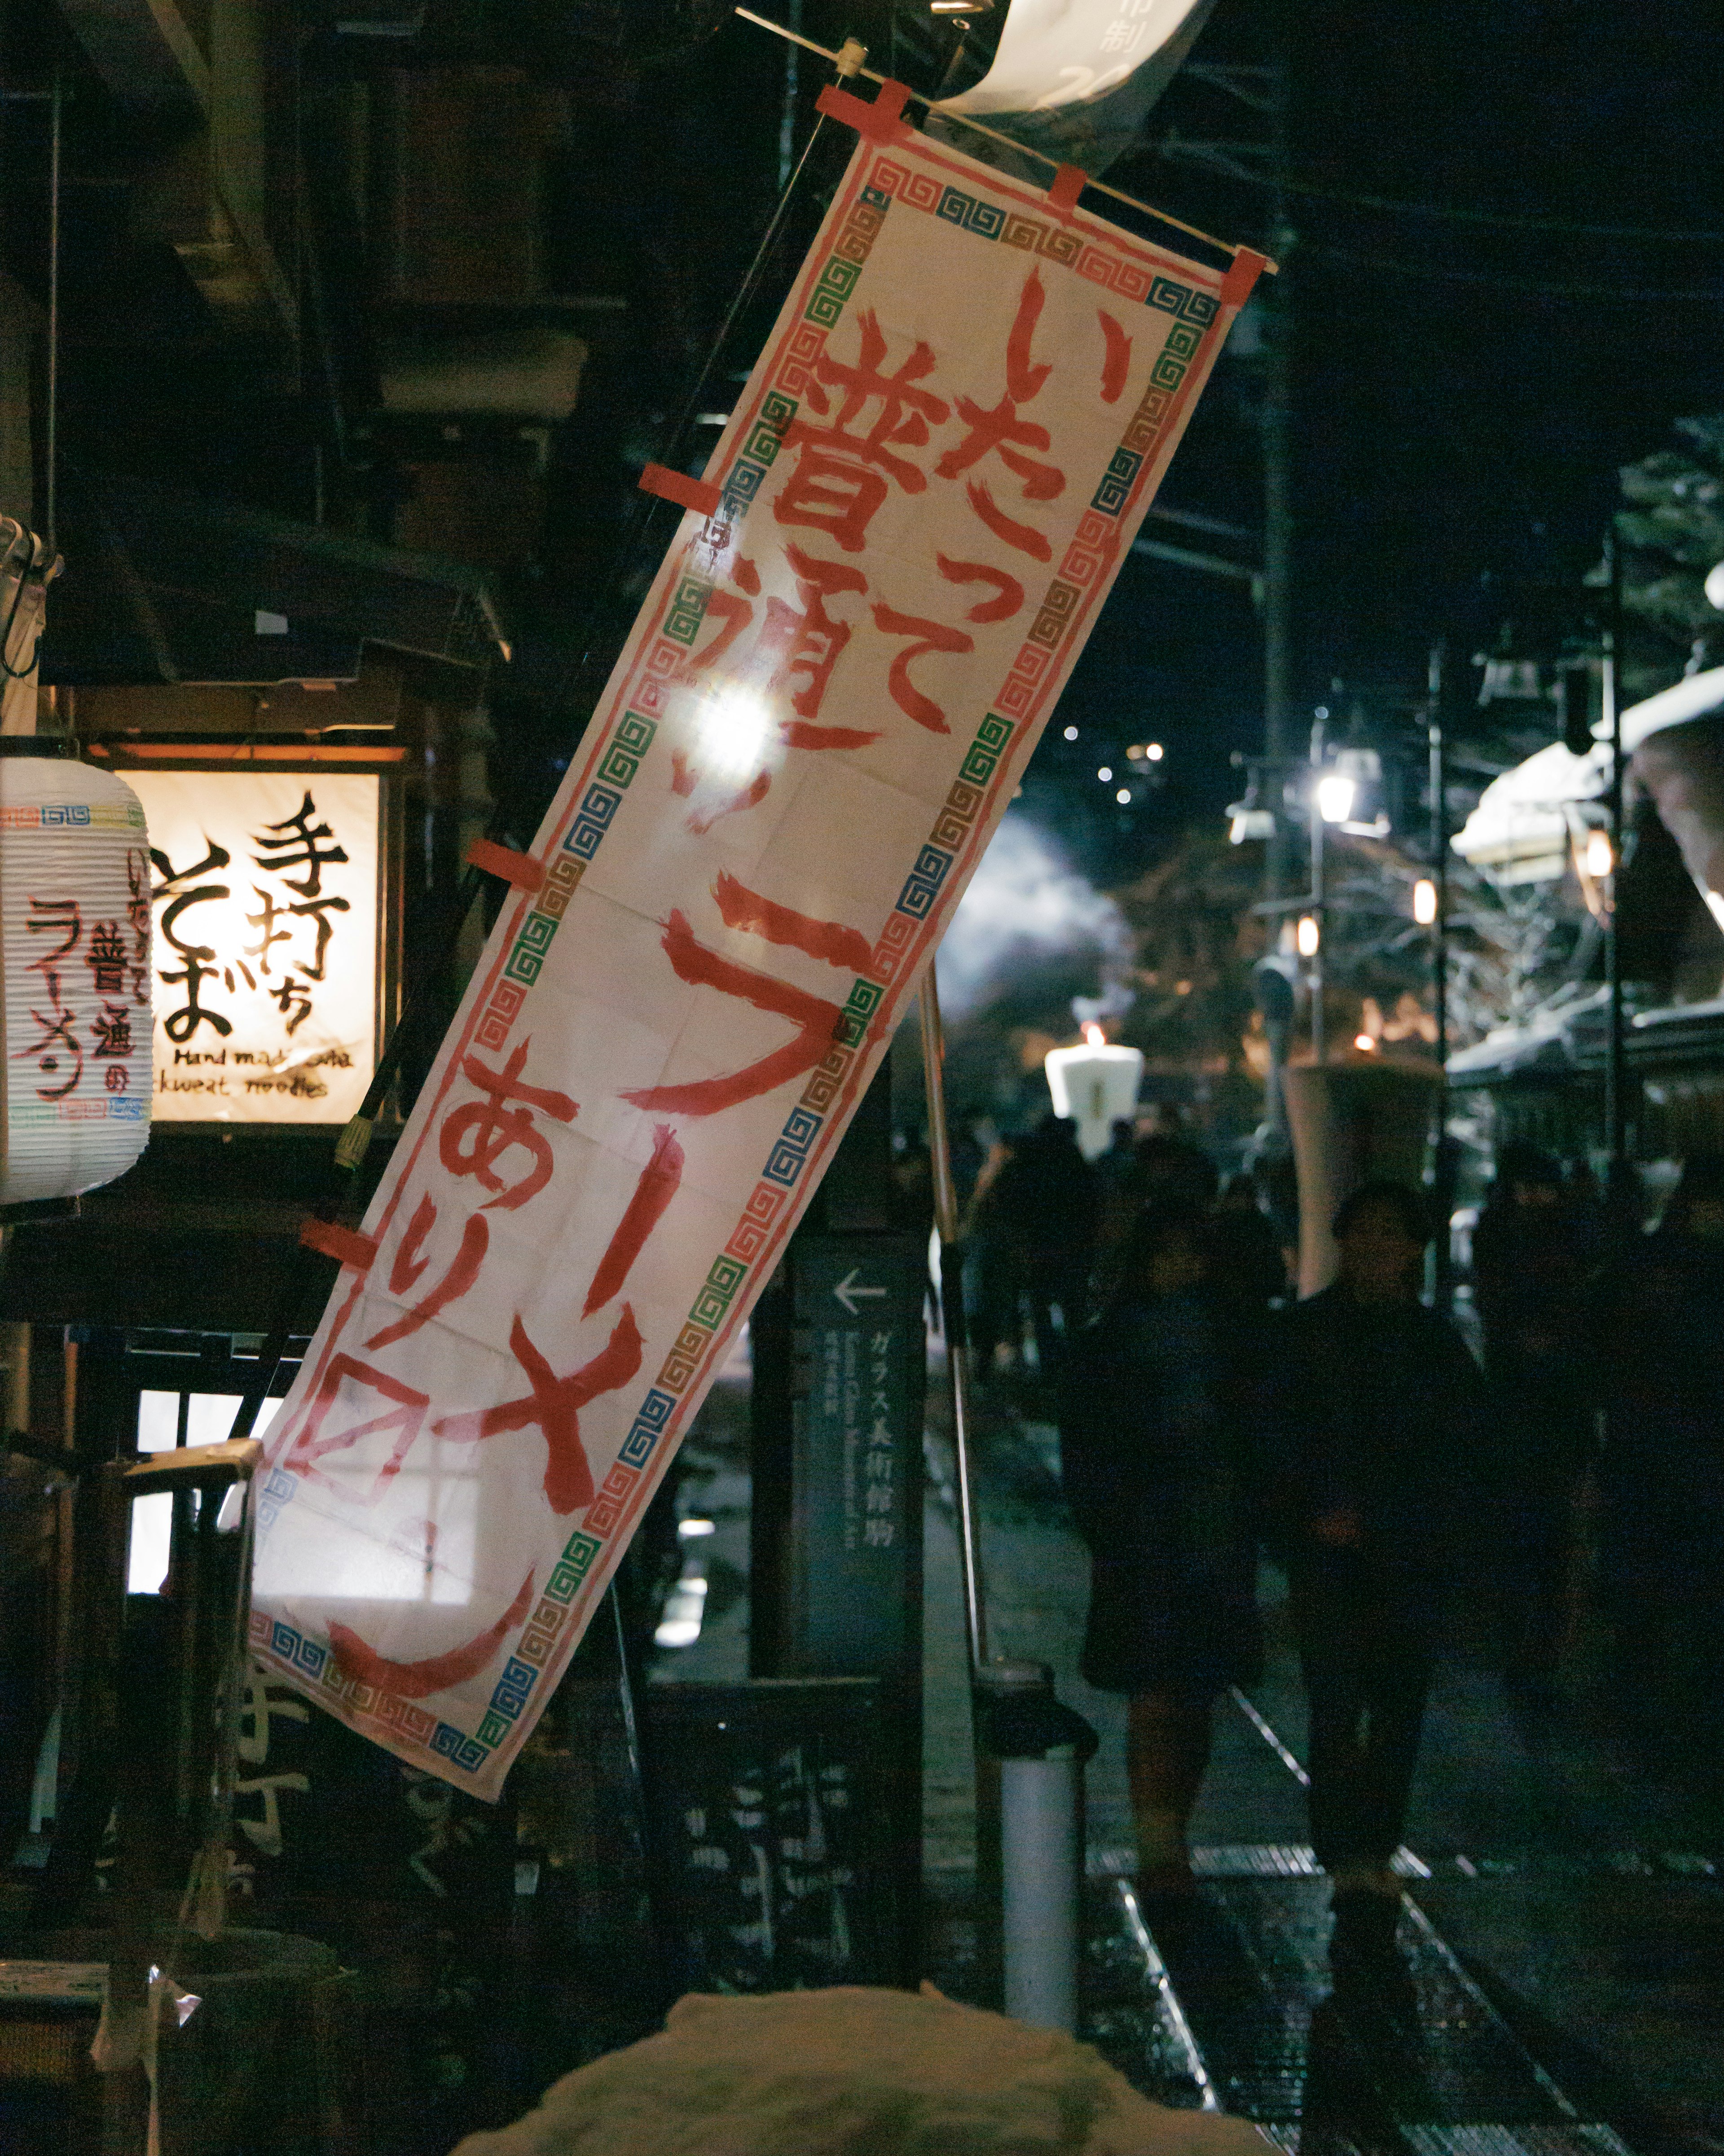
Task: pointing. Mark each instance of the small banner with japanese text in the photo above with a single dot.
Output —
(915, 512)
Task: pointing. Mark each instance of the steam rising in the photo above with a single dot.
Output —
(1025, 907)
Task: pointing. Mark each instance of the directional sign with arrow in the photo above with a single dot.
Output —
(849, 1290)
(857, 1471)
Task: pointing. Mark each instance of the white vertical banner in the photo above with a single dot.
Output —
(847, 657)
(1075, 78)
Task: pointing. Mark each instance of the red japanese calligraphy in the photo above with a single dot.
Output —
(1117, 362)
(554, 1405)
(997, 430)
(1023, 537)
(930, 636)
(732, 609)
(813, 1017)
(803, 648)
(796, 649)
(58, 1044)
(829, 941)
(684, 779)
(357, 1660)
(137, 915)
(660, 1182)
(405, 1416)
(841, 476)
(1009, 592)
(408, 1265)
(476, 1138)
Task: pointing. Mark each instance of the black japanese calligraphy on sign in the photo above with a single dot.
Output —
(267, 972)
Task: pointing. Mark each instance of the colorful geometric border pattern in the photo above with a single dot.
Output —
(1055, 243)
(58, 816)
(111, 1107)
(832, 288)
(629, 741)
(1091, 550)
(757, 455)
(532, 1651)
(786, 1161)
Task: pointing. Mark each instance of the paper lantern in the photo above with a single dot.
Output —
(75, 974)
(1096, 1086)
(1351, 1123)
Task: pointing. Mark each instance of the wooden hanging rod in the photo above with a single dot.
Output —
(993, 135)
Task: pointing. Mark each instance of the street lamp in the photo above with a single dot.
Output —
(1336, 791)
(1424, 903)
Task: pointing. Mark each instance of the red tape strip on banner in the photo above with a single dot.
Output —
(1237, 284)
(698, 494)
(1067, 184)
(879, 122)
(520, 869)
(345, 1245)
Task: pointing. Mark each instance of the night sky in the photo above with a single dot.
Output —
(1464, 390)
(1473, 360)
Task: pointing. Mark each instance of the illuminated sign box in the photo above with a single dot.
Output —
(267, 893)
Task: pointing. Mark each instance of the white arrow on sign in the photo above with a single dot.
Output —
(849, 1295)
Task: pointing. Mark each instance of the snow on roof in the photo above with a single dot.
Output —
(1520, 829)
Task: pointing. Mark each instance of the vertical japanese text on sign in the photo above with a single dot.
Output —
(921, 500)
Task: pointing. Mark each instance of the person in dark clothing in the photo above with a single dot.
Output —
(1247, 1269)
(1531, 1263)
(1373, 1431)
(1165, 1173)
(1154, 1475)
(990, 1265)
(1661, 1476)
(1041, 1211)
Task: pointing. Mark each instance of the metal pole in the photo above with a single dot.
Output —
(952, 1311)
(787, 123)
(1278, 465)
(1443, 1162)
(1615, 1096)
(50, 447)
(1318, 906)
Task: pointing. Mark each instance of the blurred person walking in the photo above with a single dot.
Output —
(1166, 1172)
(1155, 1475)
(1373, 1433)
(1661, 1474)
(1532, 1259)
(1037, 1219)
(990, 1264)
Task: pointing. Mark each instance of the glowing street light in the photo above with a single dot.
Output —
(1155, 752)
(1424, 903)
(1308, 936)
(1599, 858)
(1106, 773)
(1123, 796)
(1335, 794)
